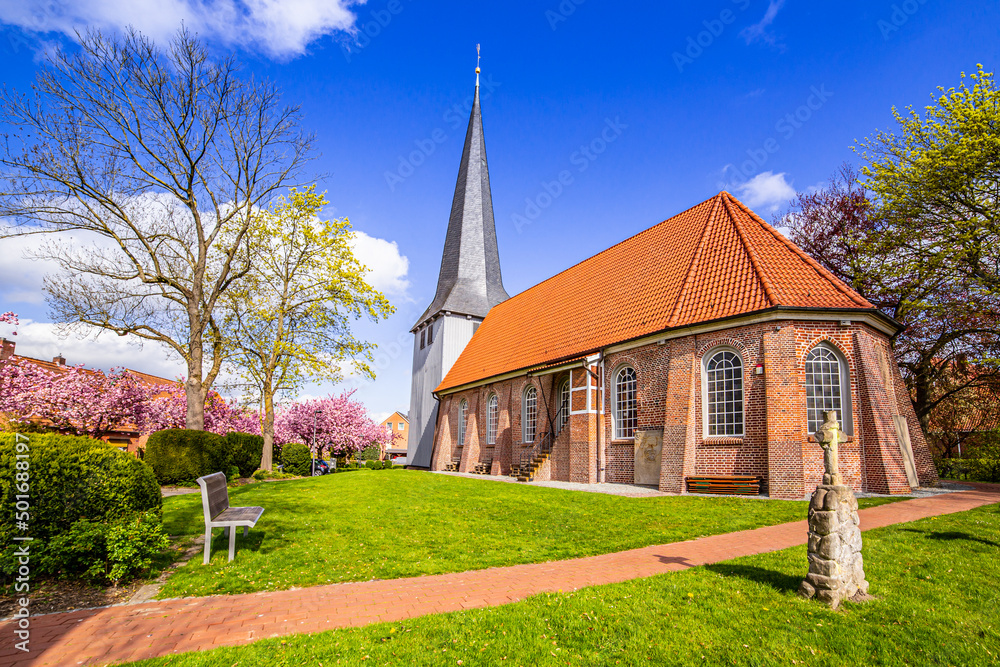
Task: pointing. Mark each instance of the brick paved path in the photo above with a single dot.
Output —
(111, 634)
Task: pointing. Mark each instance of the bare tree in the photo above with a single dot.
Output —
(153, 162)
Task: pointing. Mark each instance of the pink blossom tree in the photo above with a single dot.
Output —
(342, 426)
(73, 400)
(168, 409)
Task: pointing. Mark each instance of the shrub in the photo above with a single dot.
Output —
(370, 453)
(102, 552)
(246, 450)
(132, 543)
(295, 458)
(374, 465)
(69, 479)
(180, 455)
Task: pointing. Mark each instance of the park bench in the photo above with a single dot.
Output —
(740, 485)
(218, 513)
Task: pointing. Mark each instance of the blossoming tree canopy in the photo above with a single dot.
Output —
(73, 399)
(342, 426)
(168, 409)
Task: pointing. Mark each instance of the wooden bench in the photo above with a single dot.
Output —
(218, 513)
(738, 485)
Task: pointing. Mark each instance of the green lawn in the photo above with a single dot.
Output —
(400, 523)
(935, 582)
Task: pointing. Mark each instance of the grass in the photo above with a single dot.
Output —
(401, 523)
(935, 581)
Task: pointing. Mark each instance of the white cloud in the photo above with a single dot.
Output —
(43, 340)
(387, 269)
(766, 190)
(759, 30)
(20, 277)
(281, 28)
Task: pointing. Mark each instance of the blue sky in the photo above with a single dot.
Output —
(650, 107)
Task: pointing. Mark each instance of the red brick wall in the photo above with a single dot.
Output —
(775, 443)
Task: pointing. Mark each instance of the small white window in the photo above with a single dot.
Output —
(463, 417)
(493, 410)
(529, 415)
(724, 394)
(828, 387)
(626, 409)
(401, 426)
(563, 416)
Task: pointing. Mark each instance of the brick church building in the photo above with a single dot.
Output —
(706, 345)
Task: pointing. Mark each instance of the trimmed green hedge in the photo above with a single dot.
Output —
(295, 459)
(246, 450)
(180, 455)
(67, 479)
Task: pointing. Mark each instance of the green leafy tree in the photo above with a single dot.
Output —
(289, 318)
(939, 175)
(951, 326)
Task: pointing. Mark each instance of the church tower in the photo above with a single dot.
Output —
(469, 284)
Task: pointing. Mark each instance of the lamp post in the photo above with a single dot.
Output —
(315, 417)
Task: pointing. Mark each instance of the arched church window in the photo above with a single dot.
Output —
(529, 414)
(828, 387)
(492, 418)
(724, 394)
(626, 408)
(463, 418)
(563, 416)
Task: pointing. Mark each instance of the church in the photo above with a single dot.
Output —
(705, 347)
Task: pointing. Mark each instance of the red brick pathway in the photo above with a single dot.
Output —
(112, 634)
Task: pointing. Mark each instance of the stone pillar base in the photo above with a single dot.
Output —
(836, 569)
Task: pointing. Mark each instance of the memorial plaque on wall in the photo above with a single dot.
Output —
(648, 446)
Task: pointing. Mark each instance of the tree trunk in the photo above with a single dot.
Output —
(267, 458)
(194, 391)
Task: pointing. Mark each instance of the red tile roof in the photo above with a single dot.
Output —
(715, 260)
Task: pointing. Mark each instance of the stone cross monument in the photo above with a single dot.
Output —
(836, 569)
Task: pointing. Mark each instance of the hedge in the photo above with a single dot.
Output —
(246, 450)
(67, 479)
(295, 459)
(180, 455)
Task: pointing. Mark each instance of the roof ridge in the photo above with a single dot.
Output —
(695, 260)
(758, 268)
(837, 283)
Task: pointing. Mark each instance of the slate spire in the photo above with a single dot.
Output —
(469, 282)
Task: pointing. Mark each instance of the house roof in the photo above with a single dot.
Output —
(715, 260)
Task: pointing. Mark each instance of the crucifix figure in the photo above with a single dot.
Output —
(828, 437)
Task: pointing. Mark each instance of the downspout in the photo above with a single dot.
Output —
(600, 422)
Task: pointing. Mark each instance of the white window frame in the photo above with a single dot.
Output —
(617, 427)
(846, 412)
(565, 400)
(463, 418)
(706, 360)
(492, 419)
(525, 422)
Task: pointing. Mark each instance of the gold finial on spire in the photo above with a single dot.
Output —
(477, 65)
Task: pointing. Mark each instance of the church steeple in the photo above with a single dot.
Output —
(468, 286)
(469, 282)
